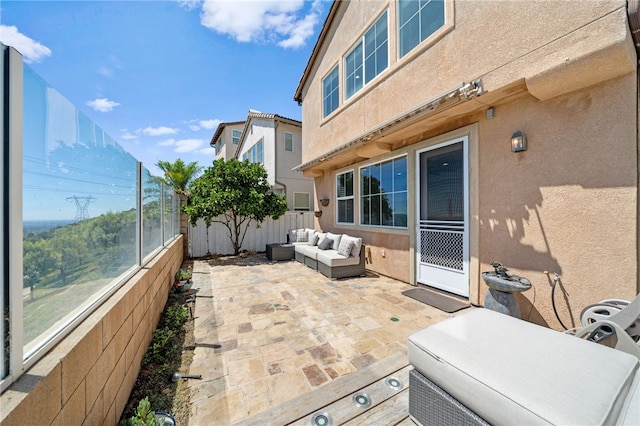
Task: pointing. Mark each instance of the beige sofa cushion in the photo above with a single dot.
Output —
(331, 258)
(307, 250)
(509, 371)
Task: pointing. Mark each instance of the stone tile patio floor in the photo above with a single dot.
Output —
(266, 332)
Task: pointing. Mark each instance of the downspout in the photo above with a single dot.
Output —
(275, 158)
(633, 13)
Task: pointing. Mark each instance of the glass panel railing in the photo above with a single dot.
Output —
(169, 195)
(79, 212)
(151, 213)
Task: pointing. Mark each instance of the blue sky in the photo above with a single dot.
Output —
(159, 77)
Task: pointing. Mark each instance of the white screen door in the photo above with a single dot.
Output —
(443, 211)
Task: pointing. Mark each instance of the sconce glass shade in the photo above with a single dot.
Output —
(324, 202)
(518, 142)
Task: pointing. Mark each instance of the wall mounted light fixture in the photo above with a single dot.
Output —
(518, 142)
(324, 202)
(317, 213)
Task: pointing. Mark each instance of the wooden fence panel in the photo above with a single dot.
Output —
(215, 239)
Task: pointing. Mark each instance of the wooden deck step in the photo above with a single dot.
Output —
(336, 398)
(387, 404)
(393, 411)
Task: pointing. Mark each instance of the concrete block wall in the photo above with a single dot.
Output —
(86, 379)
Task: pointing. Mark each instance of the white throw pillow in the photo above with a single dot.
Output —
(336, 239)
(313, 239)
(345, 248)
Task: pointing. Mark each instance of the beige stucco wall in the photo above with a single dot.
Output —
(501, 42)
(88, 376)
(568, 204)
(228, 149)
(563, 73)
(285, 161)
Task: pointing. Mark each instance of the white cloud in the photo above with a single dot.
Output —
(113, 64)
(127, 135)
(159, 131)
(102, 104)
(105, 71)
(183, 145)
(283, 22)
(194, 128)
(209, 124)
(209, 151)
(32, 50)
(189, 4)
(167, 142)
(188, 145)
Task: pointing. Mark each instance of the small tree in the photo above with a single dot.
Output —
(234, 193)
(178, 174)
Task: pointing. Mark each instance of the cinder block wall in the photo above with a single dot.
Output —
(87, 378)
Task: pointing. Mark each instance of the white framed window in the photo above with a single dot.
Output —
(301, 201)
(344, 197)
(330, 92)
(368, 58)
(288, 141)
(417, 20)
(383, 193)
(260, 151)
(235, 136)
(255, 154)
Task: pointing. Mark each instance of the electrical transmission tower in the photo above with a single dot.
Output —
(82, 204)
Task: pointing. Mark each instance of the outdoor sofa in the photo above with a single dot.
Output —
(484, 367)
(334, 255)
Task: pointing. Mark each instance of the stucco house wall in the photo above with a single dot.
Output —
(256, 129)
(565, 74)
(293, 181)
(222, 139)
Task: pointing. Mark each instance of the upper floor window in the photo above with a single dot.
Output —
(235, 136)
(255, 154)
(368, 58)
(417, 20)
(383, 194)
(330, 92)
(219, 144)
(344, 197)
(288, 141)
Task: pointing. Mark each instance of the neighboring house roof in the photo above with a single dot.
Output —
(256, 114)
(220, 129)
(316, 49)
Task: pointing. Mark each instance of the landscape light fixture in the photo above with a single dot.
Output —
(518, 142)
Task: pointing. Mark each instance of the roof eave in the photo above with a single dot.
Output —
(460, 93)
(297, 97)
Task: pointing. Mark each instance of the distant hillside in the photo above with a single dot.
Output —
(33, 226)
